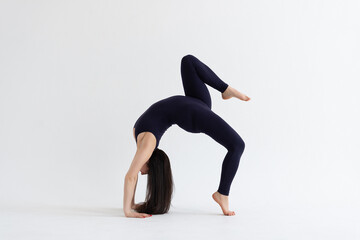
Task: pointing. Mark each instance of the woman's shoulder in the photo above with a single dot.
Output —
(146, 139)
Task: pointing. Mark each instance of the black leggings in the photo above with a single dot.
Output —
(194, 75)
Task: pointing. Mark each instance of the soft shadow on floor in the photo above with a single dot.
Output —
(65, 210)
(89, 211)
(196, 212)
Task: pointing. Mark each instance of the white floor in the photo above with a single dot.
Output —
(69, 222)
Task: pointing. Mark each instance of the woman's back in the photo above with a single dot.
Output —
(177, 109)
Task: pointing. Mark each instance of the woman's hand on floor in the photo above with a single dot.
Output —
(137, 215)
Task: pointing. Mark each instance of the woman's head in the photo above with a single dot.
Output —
(159, 186)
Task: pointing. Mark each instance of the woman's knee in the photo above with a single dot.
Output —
(237, 144)
(187, 58)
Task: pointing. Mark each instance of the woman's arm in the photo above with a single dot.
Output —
(142, 155)
(129, 191)
(133, 199)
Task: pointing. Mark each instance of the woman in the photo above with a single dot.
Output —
(192, 113)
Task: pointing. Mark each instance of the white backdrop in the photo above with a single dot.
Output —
(75, 76)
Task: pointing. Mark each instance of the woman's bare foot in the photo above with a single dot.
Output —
(223, 201)
(232, 92)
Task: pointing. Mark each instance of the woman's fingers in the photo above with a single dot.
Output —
(144, 215)
(137, 215)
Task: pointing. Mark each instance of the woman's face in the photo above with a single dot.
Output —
(144, 169)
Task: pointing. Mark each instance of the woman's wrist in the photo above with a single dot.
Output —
(127, 211)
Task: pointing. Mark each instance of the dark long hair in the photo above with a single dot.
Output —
(159, 185)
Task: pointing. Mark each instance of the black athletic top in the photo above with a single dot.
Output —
(177, 109)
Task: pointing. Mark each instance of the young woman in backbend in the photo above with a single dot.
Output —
(192, 113)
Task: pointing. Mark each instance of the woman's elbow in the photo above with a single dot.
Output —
(130, 177)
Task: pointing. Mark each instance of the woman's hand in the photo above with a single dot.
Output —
(137, 215)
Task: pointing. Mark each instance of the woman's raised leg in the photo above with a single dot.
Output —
(195, 74)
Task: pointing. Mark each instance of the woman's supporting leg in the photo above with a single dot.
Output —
(195, 74)
(214, 126)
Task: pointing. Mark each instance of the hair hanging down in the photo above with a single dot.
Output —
(159, 185)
